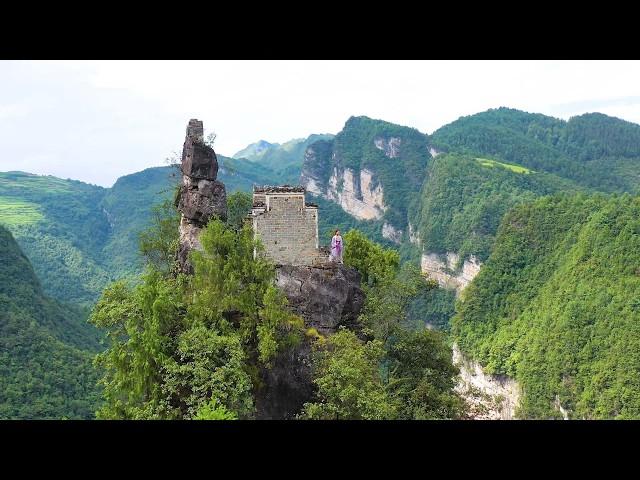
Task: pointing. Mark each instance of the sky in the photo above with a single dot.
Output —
(98, 120)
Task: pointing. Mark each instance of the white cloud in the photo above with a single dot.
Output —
(104, 119)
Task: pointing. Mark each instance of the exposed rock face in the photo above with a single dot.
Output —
(287, 385)
(446, 273)
(414, 236)
(201, 196)
(391, 233)
(356, 193)
(325, 296)
(390, 146)
(490, 397)
(434, 153)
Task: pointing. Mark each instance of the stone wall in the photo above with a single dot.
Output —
(288, 228)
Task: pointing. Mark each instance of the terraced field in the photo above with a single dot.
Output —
(15, 211)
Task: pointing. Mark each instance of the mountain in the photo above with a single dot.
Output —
(255, 151)
(372, 169)
(556, 306)
(80, 237)
(284, 160)
(593, 149)
(45, 347)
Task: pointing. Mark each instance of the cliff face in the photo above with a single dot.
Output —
(490, 397)
(446, 272)
(201, 196)
(372, 169)
(325, 296)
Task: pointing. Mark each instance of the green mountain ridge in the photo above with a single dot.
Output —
(555, 306)
(45, 347)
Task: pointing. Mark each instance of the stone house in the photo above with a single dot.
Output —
(287, 225)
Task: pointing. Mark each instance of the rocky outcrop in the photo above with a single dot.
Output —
(326, 296)
(201, 196)
(287, 385)
(489, 397)
(390, 146)
(434, 153)
(446, 272)
(414, 235)
(391, 233)
(356, 193)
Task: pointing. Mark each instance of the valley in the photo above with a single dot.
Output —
(528, 223)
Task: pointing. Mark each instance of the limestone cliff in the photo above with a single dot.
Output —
(445, 270)
(489, 397)
(201, 196)
(326, 297)
(372, 169)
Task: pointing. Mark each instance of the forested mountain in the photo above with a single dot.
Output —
(284, 160)
(593, 149)
(372, 169)
(45, 347)
(464, 198)
(556, 306)
(539, 202)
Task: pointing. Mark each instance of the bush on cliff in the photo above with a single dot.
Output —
(179, 343)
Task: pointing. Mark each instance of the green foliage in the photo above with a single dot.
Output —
(397, 380)
(45, 347)
(178, 342)
(215, 411)
(554, 306)
(349, 383)
(159, 243)
(385, 309)
(432, 307)
(462, 203)
(593, 150)
(238, 207)
(422, 376)
(373, 261)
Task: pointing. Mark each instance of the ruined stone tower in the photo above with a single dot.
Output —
(287, 225)
(201, 196)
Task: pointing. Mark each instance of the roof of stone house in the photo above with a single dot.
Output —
(278, 189)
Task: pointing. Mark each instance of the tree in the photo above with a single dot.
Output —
(238, 207)
(176, 342)
(215, 411)
(349, 384)
(422, 376)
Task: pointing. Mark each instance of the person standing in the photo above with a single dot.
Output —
(336, 247)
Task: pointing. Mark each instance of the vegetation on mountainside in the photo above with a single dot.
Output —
(190, 346)
(555, 306)
(463, 201)
(594, 150)
(284, 161)
(354, 148)
(397, 372)
(45, 367)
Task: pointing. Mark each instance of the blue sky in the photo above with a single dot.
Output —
(98, 120)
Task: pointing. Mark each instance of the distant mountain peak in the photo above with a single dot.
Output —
(255, 150)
